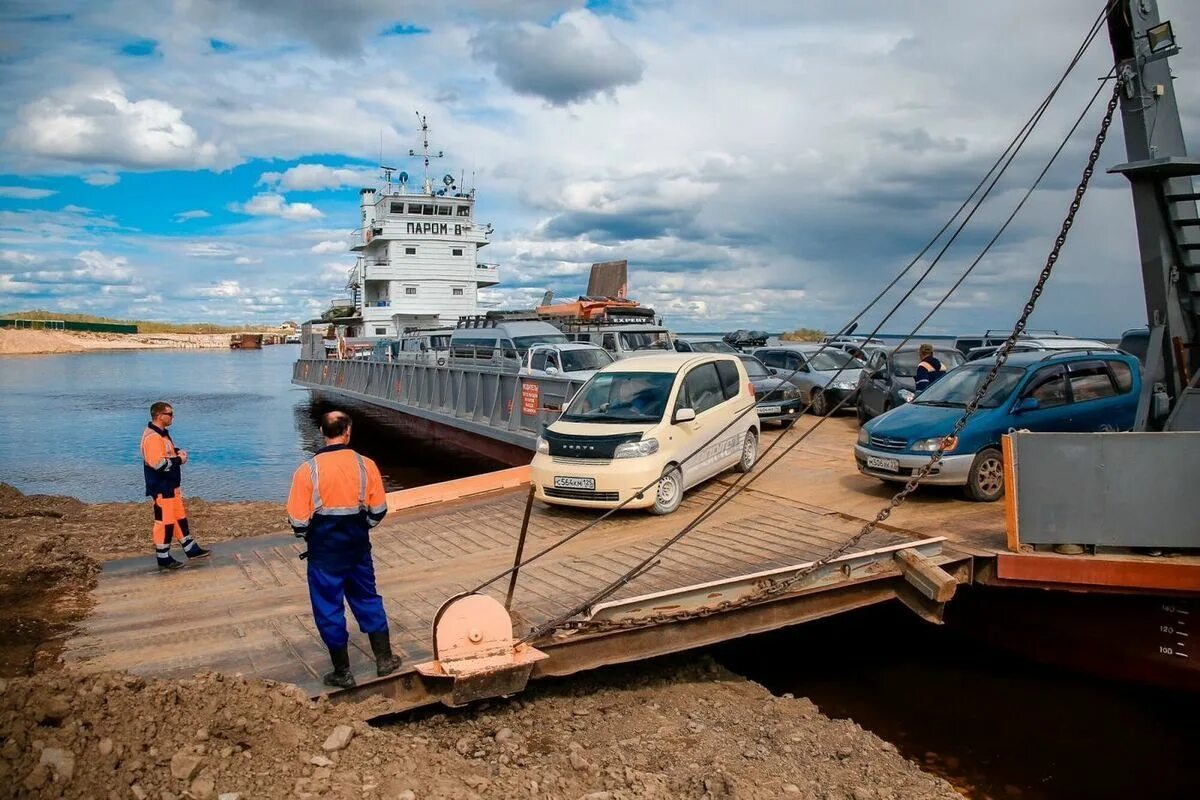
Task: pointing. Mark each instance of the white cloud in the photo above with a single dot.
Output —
(209, 250)
(244, 260)
(326, 247)
(102, 179)
(314, 177)
(269, 204)
(25, 192)
(570, 61)
(95, 123)
(220, 289)
(195, 213)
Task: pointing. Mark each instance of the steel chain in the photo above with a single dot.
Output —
(770, 587)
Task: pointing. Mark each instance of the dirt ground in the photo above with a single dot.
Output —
(676, 728)
(35, 342)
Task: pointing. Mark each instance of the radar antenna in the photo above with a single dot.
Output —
(426, 186)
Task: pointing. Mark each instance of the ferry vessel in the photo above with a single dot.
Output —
(417, 255)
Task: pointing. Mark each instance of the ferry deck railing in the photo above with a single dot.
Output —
(499, 404)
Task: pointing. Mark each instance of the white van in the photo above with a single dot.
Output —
(682, 416)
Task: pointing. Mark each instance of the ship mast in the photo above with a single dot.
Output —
(426, 186)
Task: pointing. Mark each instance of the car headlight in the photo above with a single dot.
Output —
(793, 393)
(543, 446)
(906, 395)
(646, 447)
(946, 443)
(846, 385)
(864, 436)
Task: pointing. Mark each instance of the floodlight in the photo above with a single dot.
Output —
(1161, 37)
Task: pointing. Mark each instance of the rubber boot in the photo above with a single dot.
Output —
(381, 646)
(341, 677)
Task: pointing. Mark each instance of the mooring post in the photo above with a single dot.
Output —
(512, 579)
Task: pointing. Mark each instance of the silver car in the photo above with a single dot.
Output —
(826, 375)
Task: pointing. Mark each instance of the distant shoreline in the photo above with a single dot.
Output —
(44, 342)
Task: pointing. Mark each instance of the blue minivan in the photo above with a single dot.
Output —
(1075, 391)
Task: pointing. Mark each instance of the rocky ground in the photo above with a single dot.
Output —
(41, 342)
(677, 728)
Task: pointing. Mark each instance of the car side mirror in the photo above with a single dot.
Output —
(772, 370)
(551, 370)
(684, 415)
(1026, 404)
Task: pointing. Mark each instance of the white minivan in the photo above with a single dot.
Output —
(684, 417)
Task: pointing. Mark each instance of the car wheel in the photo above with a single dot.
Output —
(985, 481)
(749, 453)
(669, 492)
(817, 403)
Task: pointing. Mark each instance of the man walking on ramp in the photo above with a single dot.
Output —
(161, 467)
(336, 498)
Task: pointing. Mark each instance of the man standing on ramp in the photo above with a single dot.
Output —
(162, 464)
(336, 498)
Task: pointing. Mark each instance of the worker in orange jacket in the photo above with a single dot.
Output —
(161, 467)
(336, 498)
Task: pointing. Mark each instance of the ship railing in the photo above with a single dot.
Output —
(497, 404)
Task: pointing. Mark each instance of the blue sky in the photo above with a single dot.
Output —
(766, 165)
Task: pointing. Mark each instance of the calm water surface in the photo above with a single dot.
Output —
(71, 425)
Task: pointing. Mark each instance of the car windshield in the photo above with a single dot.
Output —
(713, 346)
(904, 363)
(577, 360)
(755, 368)
(832, 360)
(642, 340)
(958, 387)
(523, 343)
(622, 397)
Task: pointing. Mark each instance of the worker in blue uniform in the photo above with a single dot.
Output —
(336, 498)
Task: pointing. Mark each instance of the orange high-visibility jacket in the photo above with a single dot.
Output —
(336, 498)
(160, 462)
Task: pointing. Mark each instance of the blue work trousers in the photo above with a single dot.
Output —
(329, 590)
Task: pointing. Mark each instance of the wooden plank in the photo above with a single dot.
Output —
(925, 576)
(1158, 574)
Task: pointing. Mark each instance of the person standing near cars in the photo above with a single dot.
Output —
(336, 498)
(162, 464)
(930, 369)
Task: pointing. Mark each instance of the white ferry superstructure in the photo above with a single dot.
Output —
(417, 253)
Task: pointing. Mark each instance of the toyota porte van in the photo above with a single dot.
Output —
(681, 417)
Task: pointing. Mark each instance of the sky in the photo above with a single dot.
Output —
(768, 165)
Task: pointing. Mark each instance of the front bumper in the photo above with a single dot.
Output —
(616, 480)
(951, 470)
(780, 410)
(834, 396)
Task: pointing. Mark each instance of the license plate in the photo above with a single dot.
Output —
(769, 409)
(564, 482)
(885, 464)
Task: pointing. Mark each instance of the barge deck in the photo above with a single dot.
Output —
(246, 610)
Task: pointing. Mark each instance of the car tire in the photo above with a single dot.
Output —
(818, 404)
(860, 411)
(668, 494)
(985, 481)
(749, 453)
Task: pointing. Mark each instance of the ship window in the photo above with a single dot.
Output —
(457, 291)
(410, 290)
(443, 211)
(414, 208)
(457, 251)
(410, 251)
(464, 211)
(397, 208)
(427, 209)
(381, 331)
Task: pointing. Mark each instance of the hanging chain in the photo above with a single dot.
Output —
(768, 588)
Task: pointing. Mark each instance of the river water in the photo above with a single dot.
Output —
(71, 425)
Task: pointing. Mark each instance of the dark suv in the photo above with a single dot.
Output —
(889, 379)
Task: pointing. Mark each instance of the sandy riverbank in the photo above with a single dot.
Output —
(676, 728)
(39, 342)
